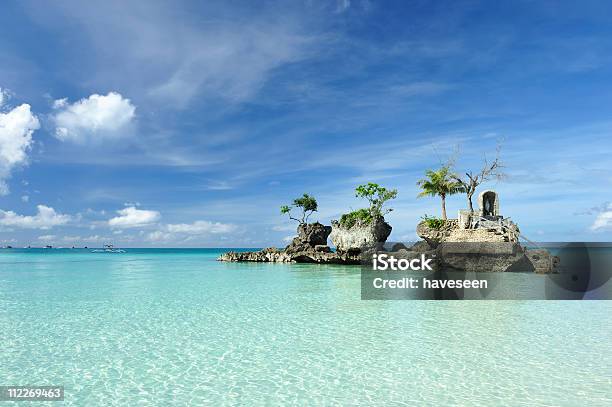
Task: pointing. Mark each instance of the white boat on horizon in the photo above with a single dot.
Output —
(108, 248)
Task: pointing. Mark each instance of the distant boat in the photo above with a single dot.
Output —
(108, 248)
(48, 246)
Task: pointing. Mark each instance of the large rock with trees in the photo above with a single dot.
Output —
(481, 241)
(364, 227)
(478, 240)
(361, 234)
(309, 246)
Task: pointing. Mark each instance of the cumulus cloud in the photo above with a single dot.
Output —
(602, 221)
(132, 217)
(46, 218)
(16, 128)
(95, 118)
(158, 236)
(188, 231)
(284, 228)
(80, 239)
(46, 238)
(201, 227)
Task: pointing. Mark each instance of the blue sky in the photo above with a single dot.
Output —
(190, 123)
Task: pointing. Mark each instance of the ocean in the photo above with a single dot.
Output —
(174, 327)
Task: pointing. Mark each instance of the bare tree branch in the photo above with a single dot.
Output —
(489, 171)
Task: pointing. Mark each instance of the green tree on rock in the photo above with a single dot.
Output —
(440, 183)
(306, 203)
(376, 197)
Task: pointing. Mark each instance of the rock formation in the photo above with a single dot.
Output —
(451, 232)
(353, 239)
(310, 235)
(482, 257)
(488, 257)
(309, 246)
(269, 255)
(482, 241)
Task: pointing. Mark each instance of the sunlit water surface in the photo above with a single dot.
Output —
(175, 327)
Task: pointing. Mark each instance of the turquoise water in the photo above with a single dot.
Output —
(154, 327)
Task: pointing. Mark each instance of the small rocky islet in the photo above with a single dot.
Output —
(476, 241)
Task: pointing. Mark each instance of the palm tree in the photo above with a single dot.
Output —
(441, 183)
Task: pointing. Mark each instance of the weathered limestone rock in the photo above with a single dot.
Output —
(269, 255)
(421, 247)
(499, 231)
(274, 255)
(435, 236)
(309, 237)
(322, 248)
(476, 235)
(541, 261)
(487, 257)
(481, 257)
(326, 258)
(353, 239)
(398, 246)
(310, 246)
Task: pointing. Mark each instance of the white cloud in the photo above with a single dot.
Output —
(185, 232)
(201, 227)
(219, 186)
(4, 95)
(46, 218)
(25, 198)
(158, 236)
(95, 118)
(79, 239)
(16, 128)
(46, 238)
(60, 103)
(284, 228)
(132, 217)
(602, 221)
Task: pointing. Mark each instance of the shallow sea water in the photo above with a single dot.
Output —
(175, 327)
